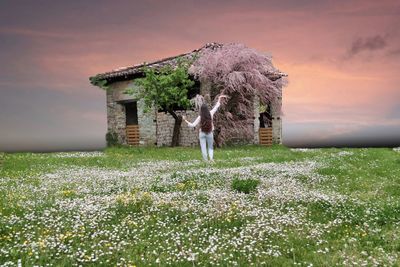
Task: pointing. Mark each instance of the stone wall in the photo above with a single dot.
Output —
(147, 125)
(276, 121)
(165, 128)
(116, 120)
(256, 104)
(157, 127)
(116, 116)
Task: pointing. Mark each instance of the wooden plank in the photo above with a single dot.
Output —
(132, 135)
(132, 131)
(265, 136)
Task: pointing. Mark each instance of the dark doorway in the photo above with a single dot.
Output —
(131, 113)
(266, 118)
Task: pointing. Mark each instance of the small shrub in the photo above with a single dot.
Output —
(112, 139)
(245, 185)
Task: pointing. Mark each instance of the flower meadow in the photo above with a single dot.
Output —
(255, 206)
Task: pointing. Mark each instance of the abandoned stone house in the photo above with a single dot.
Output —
(131, 125)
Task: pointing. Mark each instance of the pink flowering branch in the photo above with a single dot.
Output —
(241, 73)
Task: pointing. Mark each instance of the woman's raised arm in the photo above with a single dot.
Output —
(215, 108)
(196, 121)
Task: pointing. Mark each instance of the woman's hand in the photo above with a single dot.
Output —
(184, 117)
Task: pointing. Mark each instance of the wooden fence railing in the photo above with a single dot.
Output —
(132, 134)
(265, 136)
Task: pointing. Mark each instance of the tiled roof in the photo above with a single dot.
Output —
(123, 73)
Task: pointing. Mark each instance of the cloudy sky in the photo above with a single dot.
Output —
(342, 58)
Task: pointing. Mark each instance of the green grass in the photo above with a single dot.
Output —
(165, 206)
(245, 185)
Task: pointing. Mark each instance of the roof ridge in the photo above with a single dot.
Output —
(212, 45)
(126, 72)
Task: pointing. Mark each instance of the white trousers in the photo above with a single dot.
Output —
(209, 139)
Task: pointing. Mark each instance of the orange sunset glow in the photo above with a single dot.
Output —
(342, 59)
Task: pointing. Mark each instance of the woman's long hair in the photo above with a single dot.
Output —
(205, 119)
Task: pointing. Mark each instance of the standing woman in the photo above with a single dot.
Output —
(206, 128)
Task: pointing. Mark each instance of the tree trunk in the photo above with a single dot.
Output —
(177, 128)
(217, 140)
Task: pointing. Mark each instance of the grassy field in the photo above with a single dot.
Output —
(163, 206)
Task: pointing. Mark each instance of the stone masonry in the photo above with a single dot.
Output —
(116, 116)
(165, 128)
(155, 128)
(256, 119)
(276, 122)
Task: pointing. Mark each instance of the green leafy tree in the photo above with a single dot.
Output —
(166, 89)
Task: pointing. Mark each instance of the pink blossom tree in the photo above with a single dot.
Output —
(241, 73)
